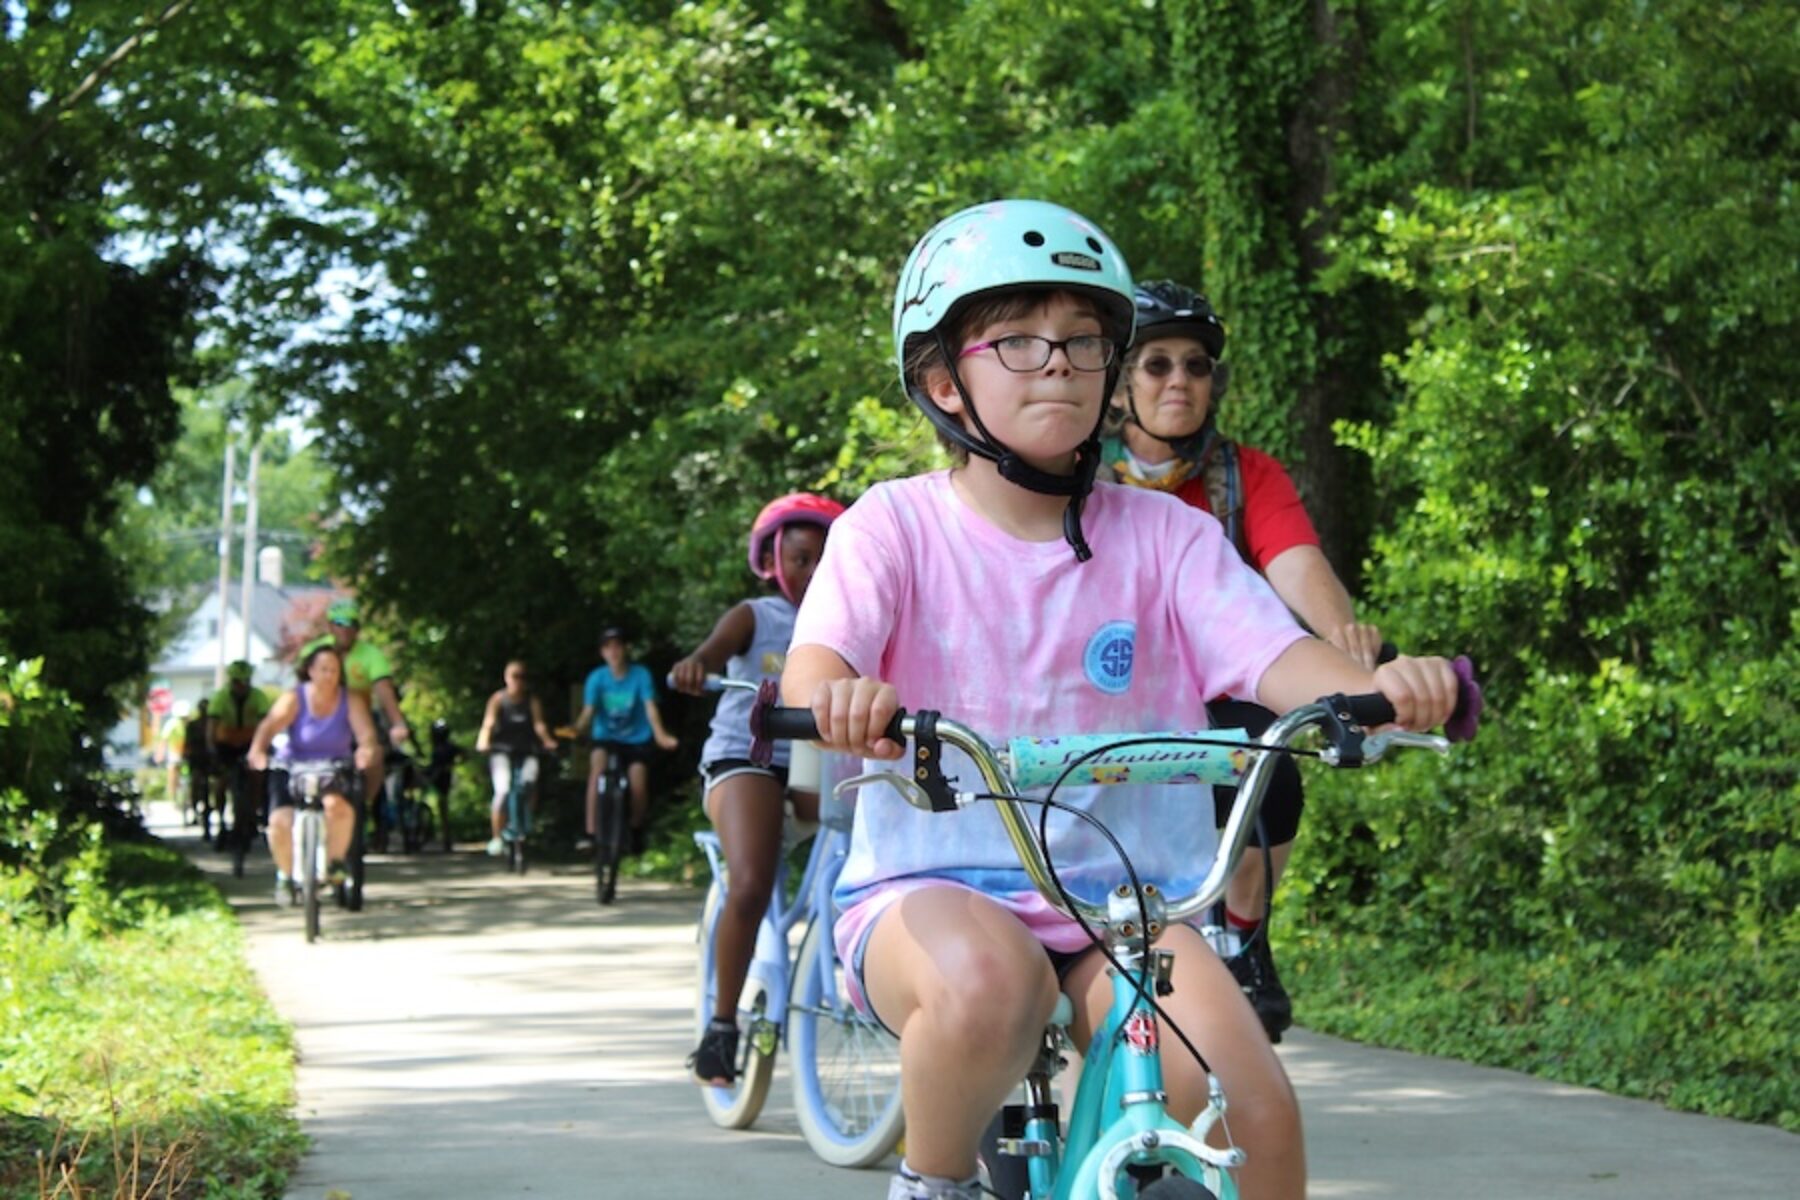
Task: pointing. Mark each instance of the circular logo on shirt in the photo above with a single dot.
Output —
(1109, 656)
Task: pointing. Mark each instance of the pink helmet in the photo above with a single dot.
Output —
(798, 508)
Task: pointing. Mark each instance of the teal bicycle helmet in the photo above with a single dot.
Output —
(1005, 246)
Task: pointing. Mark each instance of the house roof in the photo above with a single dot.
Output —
(269, 605)
(277, 616)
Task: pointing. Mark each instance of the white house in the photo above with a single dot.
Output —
(280, 618)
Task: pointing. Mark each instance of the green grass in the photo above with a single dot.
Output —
(1706, 1028)
(153, 1047)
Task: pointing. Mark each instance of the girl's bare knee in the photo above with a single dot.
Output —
(990, 1006)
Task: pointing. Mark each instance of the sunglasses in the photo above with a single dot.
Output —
(1197, 366)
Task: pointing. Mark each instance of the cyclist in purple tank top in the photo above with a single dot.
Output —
(325, 722)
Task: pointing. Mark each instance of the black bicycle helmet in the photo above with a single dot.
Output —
(1168, 309)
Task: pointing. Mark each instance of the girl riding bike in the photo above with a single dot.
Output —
(512, 732)
(1016, 593)
(744, 800)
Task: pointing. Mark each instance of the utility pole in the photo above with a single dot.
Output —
(225, 550)
(249, 583)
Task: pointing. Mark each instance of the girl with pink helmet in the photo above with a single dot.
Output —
(745, 800)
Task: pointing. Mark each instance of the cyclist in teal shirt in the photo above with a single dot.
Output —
(620, 701)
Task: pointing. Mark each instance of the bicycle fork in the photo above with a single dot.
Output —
(1126, 1055)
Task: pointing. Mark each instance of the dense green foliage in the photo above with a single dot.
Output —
(567, 290)
(1592, 480)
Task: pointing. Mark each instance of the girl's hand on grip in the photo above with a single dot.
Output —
(689, 676)
(1422, 691)
(852, 715)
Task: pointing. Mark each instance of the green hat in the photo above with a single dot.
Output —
(240, 670)
(342, 612)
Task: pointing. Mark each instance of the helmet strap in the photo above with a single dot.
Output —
(1193, 446)
(780, 575)
(1015, 470)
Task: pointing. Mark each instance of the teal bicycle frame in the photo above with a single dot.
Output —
(1122, 1072)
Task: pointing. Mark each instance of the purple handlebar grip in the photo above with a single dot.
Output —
(1464, 721)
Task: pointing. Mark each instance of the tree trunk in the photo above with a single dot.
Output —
(1319, 122)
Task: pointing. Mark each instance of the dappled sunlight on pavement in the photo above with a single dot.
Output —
(475, 1034)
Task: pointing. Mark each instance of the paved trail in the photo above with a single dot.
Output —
(476, 1035)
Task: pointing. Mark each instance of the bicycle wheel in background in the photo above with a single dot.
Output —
(243, 822)
(515, 826)
(609, 837)
(737, 1106)
(845, 1066)
(353, 888)
(419, 826)
(307, 864)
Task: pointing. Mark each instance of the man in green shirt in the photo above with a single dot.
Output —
(366, 670)
(232, 716)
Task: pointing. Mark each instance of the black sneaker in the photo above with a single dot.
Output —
(635, 841)
(1254, 969)
(716, 1058)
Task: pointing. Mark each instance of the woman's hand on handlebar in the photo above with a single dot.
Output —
(852, 713)
(689, 676)
(1361, 642)
(1422, 690)
(257, 759)
(364, 757)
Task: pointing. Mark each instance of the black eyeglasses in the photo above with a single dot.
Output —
(1197, 366)
(1022, 352)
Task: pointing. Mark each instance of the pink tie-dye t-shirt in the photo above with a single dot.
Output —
(1013, 637)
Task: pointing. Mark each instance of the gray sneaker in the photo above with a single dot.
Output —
(907, 1186)
(284, 891)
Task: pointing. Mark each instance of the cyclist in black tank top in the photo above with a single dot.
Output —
(512, 730)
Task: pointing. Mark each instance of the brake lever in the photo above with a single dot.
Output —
(909, 791)
(1376, 744)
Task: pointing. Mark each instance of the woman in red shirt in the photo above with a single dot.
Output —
(1168, 440)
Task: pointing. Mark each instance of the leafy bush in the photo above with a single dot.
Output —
(52, 848)
(1589, 481)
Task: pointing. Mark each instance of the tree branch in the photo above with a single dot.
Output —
(58, 107)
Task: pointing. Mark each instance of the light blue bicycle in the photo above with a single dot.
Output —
(1120, 1134)
(845, 1066)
